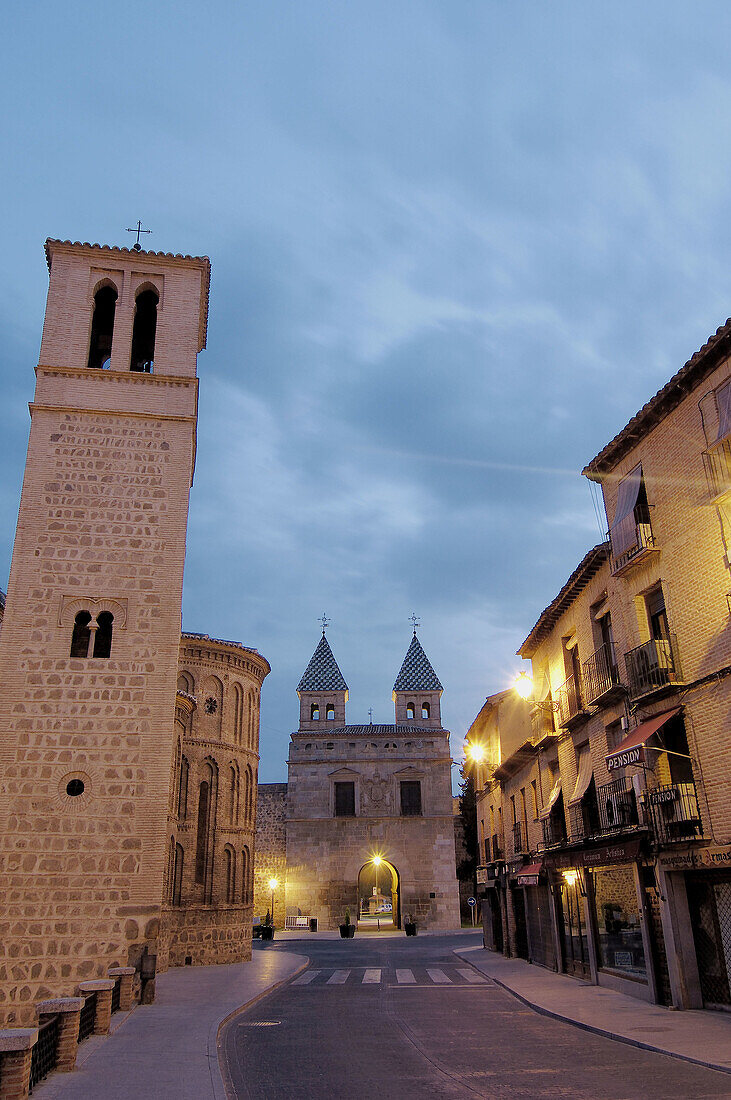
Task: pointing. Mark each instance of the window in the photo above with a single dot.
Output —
(630, 529)
(202, 837)
(229, 859)
(238, 714)
(410, 710)
(177, 874)
(330, 712)
(345, 799)
(81, 635)
(315, 712)
(233, 794)
(411, 798)
(424, 710)
(103, 636)
(245, 875)
(102, 326)
(143, 332)
(657, 616)
(183, 789)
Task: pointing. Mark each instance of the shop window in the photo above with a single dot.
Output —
(618, 922)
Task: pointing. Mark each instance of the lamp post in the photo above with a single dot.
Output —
(273, 884)
(377, 863)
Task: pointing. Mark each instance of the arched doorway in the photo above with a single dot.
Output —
(379, 895)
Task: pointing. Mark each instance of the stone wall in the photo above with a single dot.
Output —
(270, 860)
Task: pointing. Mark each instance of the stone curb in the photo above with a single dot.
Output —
(591, 1027)
(220, 1081)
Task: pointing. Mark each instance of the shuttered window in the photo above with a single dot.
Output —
(411, 798)
(345, 799)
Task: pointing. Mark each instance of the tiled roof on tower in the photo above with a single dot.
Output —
(416, 672)
(322, 673)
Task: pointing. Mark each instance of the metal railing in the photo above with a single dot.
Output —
(569, 699)
(87, 1018)
(519, 840)
(497, 848)
(652, 665)
(584, 820)
(717, 461)
(542, 724)
(617, 806)
(643, 540)
(600, 674)
(44, 1055)
(672, 812)
(554, 831)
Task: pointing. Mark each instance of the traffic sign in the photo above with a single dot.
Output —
(472, 901)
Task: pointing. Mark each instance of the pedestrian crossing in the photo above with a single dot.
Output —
(408, 977)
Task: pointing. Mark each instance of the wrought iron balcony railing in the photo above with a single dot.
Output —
(497, 847)
(569, 700)
(652, 665)
(520, 844)
(642, 541)
(617, 807)
(672, 812)
(554, 831)
(584, 820)
(717, 461)
(599, 674)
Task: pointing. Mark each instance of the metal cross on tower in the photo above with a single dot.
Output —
(370, 714)
(414, 621)
(137, 246)
(325, 622)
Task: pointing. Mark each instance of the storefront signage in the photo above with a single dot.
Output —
(635, 755)
(605, 856)
(481, 876)
(528, 880)
(669, 794)
(696, 858)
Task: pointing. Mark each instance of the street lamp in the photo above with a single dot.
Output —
(377, 861)
(524, 685)
(273, 884)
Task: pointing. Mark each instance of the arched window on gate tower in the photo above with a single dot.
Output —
(143, 332)
(102, 328)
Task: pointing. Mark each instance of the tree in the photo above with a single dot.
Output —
(467, 866)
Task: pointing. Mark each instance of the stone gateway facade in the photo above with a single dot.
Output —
(102, 857)
(369, 813)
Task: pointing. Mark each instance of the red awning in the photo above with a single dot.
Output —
(632, 749)
(528, 876)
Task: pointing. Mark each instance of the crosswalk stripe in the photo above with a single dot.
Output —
(372, 977)
(439, 977)
(472, 977)
(305, 979)
(339, 977)
(405, 977)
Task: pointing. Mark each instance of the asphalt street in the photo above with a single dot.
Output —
(405, 1018)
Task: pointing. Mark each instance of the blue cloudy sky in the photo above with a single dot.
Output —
(455, 247)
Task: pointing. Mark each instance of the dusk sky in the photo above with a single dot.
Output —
(454, 246)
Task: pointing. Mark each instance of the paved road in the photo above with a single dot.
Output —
(407, 1019)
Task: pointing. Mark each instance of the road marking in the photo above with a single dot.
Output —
(439, 977)
(472, 977)
(405, 977)
(305, 979)
(372, 977)
(339, 977)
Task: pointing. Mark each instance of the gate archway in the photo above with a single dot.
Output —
(379, 894)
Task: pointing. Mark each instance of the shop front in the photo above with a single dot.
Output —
(489, 890)
(539, 923)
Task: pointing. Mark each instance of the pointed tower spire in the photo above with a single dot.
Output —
(322, 690)
(417, 691)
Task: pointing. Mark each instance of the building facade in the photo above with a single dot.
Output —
(625, 834)
(99, 851)
(369, 816)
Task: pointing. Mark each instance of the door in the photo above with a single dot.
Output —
(709, 903)
(574, 941)
(521, 931)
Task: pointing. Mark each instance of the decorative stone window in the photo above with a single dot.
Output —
(345, 799)
(315, 712)
(143, 331)
(92, 623)
(330, 712)
(211, 705)
(410, 711)
(424, 710)
(102, 327)
(411, 798)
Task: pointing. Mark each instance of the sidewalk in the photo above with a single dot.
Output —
(700, 1037)
(167, 1050)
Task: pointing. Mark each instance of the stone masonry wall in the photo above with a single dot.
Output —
(270, 860)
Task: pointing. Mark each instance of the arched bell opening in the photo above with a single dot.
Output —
(379, 895)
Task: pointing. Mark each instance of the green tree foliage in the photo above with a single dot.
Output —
(467, 866)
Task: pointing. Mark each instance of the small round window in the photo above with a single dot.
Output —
(74, 788)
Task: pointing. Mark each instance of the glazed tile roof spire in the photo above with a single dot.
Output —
(416, 672)
(322, 673)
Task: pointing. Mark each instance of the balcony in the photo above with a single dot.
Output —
(652, 666)
(520, 841)
(554, 831)
(601, 677)
(497, 848)
(672, 813)
(642, 544)
(584, 820)
(717, 462)
(617, 807)
(570, 706)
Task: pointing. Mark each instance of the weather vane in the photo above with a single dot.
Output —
(370, 714)
(137, 246)
(325, 623)
(414, 621)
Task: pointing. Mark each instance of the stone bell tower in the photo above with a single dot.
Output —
(90, 638)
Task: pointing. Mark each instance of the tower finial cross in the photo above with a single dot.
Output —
(325, 623)
(137, 246)
(414, 621)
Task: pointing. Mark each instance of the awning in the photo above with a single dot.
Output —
(552, 800)
(632, 749)
(528, 876)
(583, 778)
(624, 529)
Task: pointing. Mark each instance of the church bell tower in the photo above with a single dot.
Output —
(90, 638)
